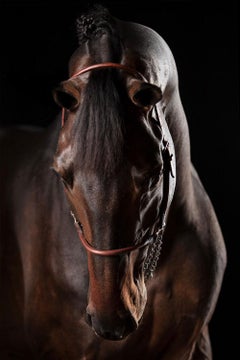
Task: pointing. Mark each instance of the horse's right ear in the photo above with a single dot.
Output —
(67, 94)
(143, 94)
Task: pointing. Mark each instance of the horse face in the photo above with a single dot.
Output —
(116, 213)
(117, 210)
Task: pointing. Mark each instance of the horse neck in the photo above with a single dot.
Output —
(178, 127)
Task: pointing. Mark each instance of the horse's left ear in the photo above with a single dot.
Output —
(142, 93)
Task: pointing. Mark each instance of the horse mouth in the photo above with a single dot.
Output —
(111, 331)
(110, 336)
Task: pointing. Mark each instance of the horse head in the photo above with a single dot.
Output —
(115, 159)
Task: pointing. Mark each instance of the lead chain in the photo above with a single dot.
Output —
(151, 261)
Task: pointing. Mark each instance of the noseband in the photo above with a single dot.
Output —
(110, 252)
(155, 240)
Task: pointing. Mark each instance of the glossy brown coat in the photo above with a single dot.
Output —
(61, 302)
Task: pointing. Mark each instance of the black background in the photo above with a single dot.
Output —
(36, 41)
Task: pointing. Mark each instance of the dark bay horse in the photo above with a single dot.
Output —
(110, 246)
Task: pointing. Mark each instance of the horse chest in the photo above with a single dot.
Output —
(57, 326)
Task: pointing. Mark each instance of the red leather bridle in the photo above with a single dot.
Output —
(126, 68)
(154, 240)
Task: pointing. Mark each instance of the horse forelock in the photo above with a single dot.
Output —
(93, 23)
(100, 126)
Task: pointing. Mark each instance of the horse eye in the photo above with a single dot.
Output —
(67, 179)
(66, 176)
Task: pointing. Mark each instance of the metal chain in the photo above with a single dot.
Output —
(154, 252)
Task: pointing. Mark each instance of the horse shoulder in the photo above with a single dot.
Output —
(209, 236)
(195, 256)
(186, 286)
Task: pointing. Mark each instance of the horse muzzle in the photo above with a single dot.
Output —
(116, 300)
(111, 327)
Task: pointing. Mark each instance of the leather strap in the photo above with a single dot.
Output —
(126, 68)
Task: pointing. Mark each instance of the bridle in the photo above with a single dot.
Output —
(101, 66)
(155, 240)
(110, 252)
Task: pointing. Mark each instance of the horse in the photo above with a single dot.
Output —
(110, 244)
